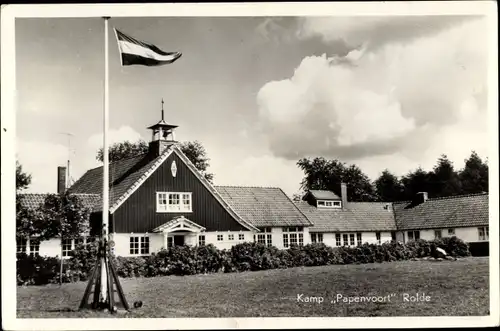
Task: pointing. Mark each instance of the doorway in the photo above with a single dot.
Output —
(179, 240)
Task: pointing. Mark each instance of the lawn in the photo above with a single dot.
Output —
(453, 288)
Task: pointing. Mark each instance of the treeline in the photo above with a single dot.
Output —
(442, 180)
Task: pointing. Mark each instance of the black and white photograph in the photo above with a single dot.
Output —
(254, 165)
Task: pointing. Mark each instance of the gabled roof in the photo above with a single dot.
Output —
(263, 206)
(446, 212)
(35, 200)
(323, 195)
(356, 216)
(179, 223)
(125, 176)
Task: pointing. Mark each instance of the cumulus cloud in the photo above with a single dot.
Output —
(381, 30)
(376, 101)
(261, 170)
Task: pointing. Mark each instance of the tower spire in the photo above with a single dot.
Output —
(162, 112)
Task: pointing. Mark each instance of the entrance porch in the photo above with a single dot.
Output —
(179, 232)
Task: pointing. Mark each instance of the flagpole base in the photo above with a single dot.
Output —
(104, 271)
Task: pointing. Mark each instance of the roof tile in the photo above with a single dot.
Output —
(356, 216)
(446, 212)
(263, 206)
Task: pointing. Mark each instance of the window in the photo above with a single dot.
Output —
(393, 235)
(413, 235)
(67, 247)
(230, 236)
(34, 247)
(140, 245)
(241, 236)
(134, 245)
(201, 240)
(377, 235)
(483, 233)
(293, 236)
(21, 245)
(351, 237)
(451, 232)
(264, 238)
(437, 234)
(337, 240)
(144, 245)
(173, 202)
(220, 237)
(316, 237)
(186, 201)
(328, 204)
(345, 237)
(170, 242)
(358, 238)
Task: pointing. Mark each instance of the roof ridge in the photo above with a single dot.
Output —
(459, 196)
(448, 197)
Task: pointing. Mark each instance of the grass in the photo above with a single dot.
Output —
(456, 288)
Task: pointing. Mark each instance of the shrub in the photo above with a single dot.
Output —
(186, 260)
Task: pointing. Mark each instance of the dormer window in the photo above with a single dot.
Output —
(329, 204)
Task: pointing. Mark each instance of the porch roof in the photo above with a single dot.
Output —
(179, 223)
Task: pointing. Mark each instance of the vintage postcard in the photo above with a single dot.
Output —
(263, 165)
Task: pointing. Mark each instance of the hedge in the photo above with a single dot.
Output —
(186, 260)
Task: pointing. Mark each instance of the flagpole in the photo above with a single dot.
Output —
(105, 188)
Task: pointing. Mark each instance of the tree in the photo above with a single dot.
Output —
(194, 151)
(414, 182)
(23, 180)
(444, 179)
(63, 216)
(197, 154)
(474, 176)
(124, 150)
(322, 174)
(388, 187)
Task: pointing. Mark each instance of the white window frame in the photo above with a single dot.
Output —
(143, 245)
(328, 204)
(338, 239)
(316, 238)
(264, 236)
(230, 237)
(22, 245)
(413, 236)
(220, 237)
(27, 246)
(451, 232)
(66, 249)
(359, 238)
(241, 236)
(202, 240)
(483, 233)
(296, 233)
(164, 205)
(438, 234)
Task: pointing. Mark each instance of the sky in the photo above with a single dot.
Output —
(258, 92)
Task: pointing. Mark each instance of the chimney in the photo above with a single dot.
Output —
(61, 180)
(343, 194)
(421, 197)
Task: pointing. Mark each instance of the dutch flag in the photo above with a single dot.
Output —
(135, 52)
